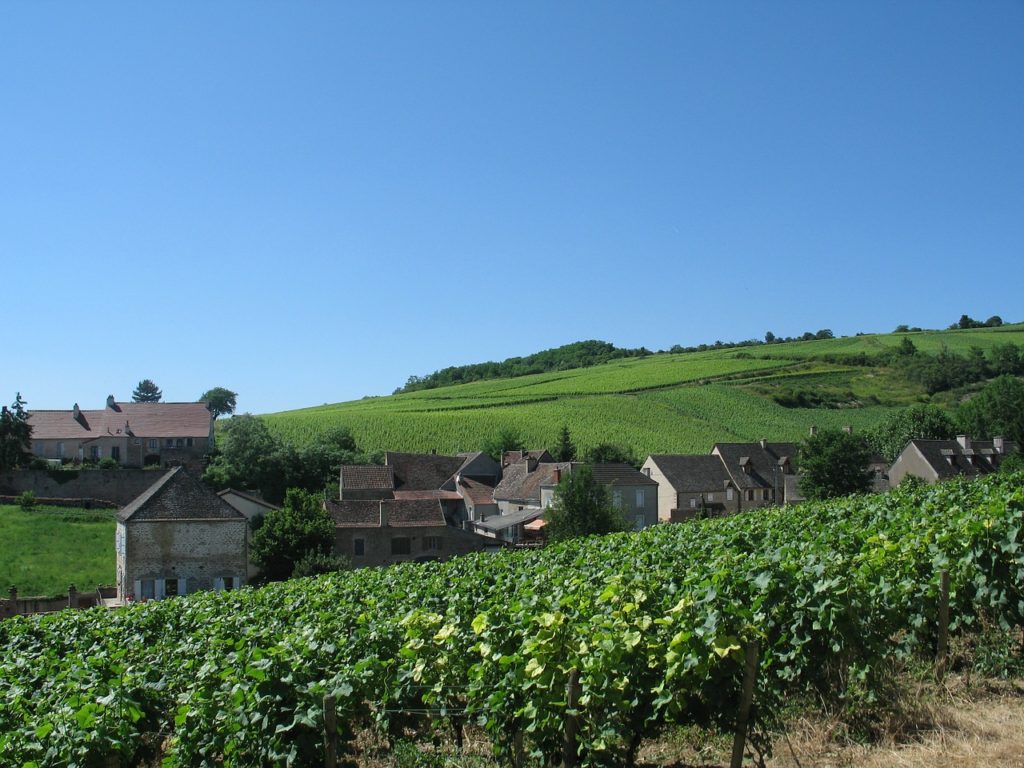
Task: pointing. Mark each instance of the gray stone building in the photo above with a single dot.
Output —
(934, 460)
(179, 537)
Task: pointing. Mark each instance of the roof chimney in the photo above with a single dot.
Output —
(764, 443)
(76, 412)
(110, 401)
(999, 443)
(964, 440)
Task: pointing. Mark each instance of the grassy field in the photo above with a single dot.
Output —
(44, 550)
(663, 403)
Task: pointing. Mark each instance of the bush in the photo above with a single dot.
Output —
(315, 563)
(27, 500)
(108, 463)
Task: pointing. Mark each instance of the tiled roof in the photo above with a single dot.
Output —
(949, 459)
(354, 514)
(427, 496)
(764, 470)
(475, 491)
(145, 420)
(248, 497)
(520, 485)
(619, 474)
(401, 513)
(514, 457)
(501, 522)
(422, 471)
(179, 495)
(364, 477)
(692, 473)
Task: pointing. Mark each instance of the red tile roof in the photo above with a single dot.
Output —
(475, 491)
(145, 420)
(427, 496)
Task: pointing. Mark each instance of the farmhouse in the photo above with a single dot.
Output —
(934, 460)
(179, 537)
(133, 434)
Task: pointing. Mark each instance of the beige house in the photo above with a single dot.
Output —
(251, 506)
(934, 460)
(179, 537)
(133, 434)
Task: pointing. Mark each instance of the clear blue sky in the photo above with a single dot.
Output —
(307, 202)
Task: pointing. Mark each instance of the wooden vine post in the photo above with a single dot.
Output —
(739, 741)
(330, 732)
(940, 648)
(570, 743)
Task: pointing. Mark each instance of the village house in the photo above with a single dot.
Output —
(132, 434)
(934, 460)
(179, 537)
(251, 507)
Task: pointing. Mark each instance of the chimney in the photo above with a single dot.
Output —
(764, 443)
(558, 475)
(964, 440)
(813, 431)
(76, 412)
(110, 401)
(999, 443)
(848, 429)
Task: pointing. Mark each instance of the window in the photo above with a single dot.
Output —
(617, 499)
(647, 471)
(750, 495)
(640, 521)
(225, 584)
(188, 442)
(147, 589)
(693, 503)
(358, 547)
(728, 494)
(169, 443)
(154, 444)
(179, 443)
(431, 543)
(60, 450)
(401, 545)
(640, 498)
(711, 496)
(95, 452)
(171, 588)
(115, 452)
(765, 495)
(40, 449)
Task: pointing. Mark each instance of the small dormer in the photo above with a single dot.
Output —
(785, 465)
(965, 441)
(745, 464)
(950, 456)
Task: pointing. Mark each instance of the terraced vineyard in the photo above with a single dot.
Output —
(663, 403)
(652, 625)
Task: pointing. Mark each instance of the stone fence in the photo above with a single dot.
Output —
(116, 487)
(21, 606)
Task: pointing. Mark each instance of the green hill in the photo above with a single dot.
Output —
(657, 404)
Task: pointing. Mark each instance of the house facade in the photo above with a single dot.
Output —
(934, 460)
(133, 434)
(179, 537)
(632, 492)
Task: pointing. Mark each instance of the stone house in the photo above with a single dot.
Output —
(251, 506)
(632, 492)
(376, 532)
(179, 537)
(934, 460)
(133, 434)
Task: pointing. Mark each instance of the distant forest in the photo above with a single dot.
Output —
(580, 354)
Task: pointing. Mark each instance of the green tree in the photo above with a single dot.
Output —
(996, 411)
(581, 507)
(15, 435)
(247, 456)
(301, 529)
(566, 449)
(1006, 359)
(921, 422)
(507, 439)
(147, 392)
(610, 453)
(834, 463)
(219, 401)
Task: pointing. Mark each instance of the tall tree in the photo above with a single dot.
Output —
(921, 422)
(566, 449)
(507, 439)
(996, 411)
(581, 507)
(300, 529)
(147, 392)
(834, 463)
(15, 435)
(219, 401)
(609, 453)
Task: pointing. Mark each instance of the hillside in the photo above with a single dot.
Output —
(662, 403)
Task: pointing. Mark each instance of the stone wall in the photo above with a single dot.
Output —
(424, 543)
(198, 551)
(15, 605)
(116, 486)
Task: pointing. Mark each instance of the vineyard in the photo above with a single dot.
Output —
(666, 403)
(652, 626)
